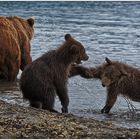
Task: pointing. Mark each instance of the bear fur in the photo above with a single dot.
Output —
(15, 36)
(81, 71)
(117, 77)
(47, 76)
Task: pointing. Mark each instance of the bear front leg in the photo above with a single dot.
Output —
(111, 99)
(63, 96)
(81, 70)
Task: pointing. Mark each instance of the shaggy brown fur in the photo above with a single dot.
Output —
(48, 75)
(82, 71)
(119, 78)
(15, 36)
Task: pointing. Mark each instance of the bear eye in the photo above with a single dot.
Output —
(83, 50)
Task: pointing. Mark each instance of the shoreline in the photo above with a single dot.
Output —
(25, 122)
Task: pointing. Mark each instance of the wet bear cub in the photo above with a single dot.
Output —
(117, 77)
(47, 76)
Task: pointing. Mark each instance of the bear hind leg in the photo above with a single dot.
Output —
(49, 99)
(13, 70)
(35, 104)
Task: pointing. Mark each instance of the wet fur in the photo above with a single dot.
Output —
(124, 80)
(47, 76)
(119, 78)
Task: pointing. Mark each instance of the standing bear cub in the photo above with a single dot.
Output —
(47, 76)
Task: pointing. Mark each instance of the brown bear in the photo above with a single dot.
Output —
(15, 36)
(47, 76)
(119, 78)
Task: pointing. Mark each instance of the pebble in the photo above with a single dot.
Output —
(21, 122)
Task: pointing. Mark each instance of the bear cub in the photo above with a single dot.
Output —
(117, 77)
(47, 76)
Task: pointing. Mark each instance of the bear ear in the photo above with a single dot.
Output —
(67, 37)
(108, 61)
(31, 21)
(74, 49)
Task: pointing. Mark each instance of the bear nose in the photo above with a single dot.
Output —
(103, 85)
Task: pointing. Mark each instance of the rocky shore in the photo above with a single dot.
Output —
(26, 122)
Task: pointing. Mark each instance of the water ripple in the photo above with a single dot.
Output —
(105, 28)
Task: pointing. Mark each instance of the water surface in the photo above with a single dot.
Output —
(106, 29)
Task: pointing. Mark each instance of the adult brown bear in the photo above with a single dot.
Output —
(15, 36)
(117, 77)
(47, 76)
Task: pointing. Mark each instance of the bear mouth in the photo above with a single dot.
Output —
(78, 61)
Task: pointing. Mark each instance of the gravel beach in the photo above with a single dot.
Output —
(26, 122)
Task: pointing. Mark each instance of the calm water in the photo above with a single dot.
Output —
(105, 28)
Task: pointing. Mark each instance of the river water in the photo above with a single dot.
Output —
(106, 29)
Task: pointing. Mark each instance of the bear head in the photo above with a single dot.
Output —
(112, 72)
(76, 49)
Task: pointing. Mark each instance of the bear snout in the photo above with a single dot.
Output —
(103, 85)
(86, 57)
